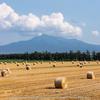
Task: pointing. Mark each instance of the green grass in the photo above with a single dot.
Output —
(20, 60)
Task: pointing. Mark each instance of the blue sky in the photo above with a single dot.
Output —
(25, 19)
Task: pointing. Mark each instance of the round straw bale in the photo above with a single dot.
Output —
(80, 66)
(5, 63)
(81, 63)
(49, 62)
(77, 64)
(25, 61)
(34, 63)
(41, 62)
(22, 63)
(37, 62)
(27, 64)
(4, 73)
(54, 65)
(8, 69)
(90, 75)
(84, 62)
(97, 62)
(15, 62)
(72, 62)
(0, 62)
(18, 64)
(61, 82)
(28, 68)
(54, 61)
(11, 62)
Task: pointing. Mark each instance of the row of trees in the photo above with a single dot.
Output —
(54, 56)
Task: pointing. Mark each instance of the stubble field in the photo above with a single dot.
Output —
(38, 83)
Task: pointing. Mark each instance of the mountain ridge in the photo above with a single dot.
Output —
(48, 43)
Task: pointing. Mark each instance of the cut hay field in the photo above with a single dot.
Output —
(38, 83)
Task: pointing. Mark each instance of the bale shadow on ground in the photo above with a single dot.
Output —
(50, 88)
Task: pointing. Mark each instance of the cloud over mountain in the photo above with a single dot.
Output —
(96, 33)
(32, 25)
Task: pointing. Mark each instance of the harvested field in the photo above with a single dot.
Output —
(38, 83)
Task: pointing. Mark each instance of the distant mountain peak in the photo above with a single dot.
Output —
(50, 44)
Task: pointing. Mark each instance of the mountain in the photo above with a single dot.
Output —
(48, 43)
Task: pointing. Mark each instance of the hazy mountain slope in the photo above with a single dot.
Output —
(50, 44)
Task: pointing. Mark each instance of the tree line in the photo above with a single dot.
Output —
(65, 56)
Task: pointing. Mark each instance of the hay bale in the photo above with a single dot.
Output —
(81, 66)
(18, 64)
(84, 62)
(41, 62)
(49, 62)
(15, 62)
(27, 64)
(72, 62)
(90, 75)
(88, 61)
(61, 82)
(22, 63)
(0, 62)
(4, 73)
(11, 62)
(37, 62)
(8, 69)
(54, 65)
(77, 64)
(28, 68)
(25, 61)
(97, 62)
(5, 63)
(54, 61)
(81, 63)
(34, 63)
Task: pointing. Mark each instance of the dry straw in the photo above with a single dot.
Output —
(27, 64)
(77, 64)
(49, 62)
(18, 64)
(4, 73)
(90, 75)
(54, 61)
(22, 63)
(37, 62)
(0, 62)
(61, 82)
(25, 61)
(72, 62)
(5, 63)
(80, 65)
(97, 62)
(84, 62)
(8, 69)
(15, 62)
(11, 62)
(28, 68)
(54, 65)
(41, 62)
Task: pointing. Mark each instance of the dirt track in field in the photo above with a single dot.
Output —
(38, 83)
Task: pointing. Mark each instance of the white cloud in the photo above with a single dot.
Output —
(83, 24)
(96, 33)
(32, 25)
